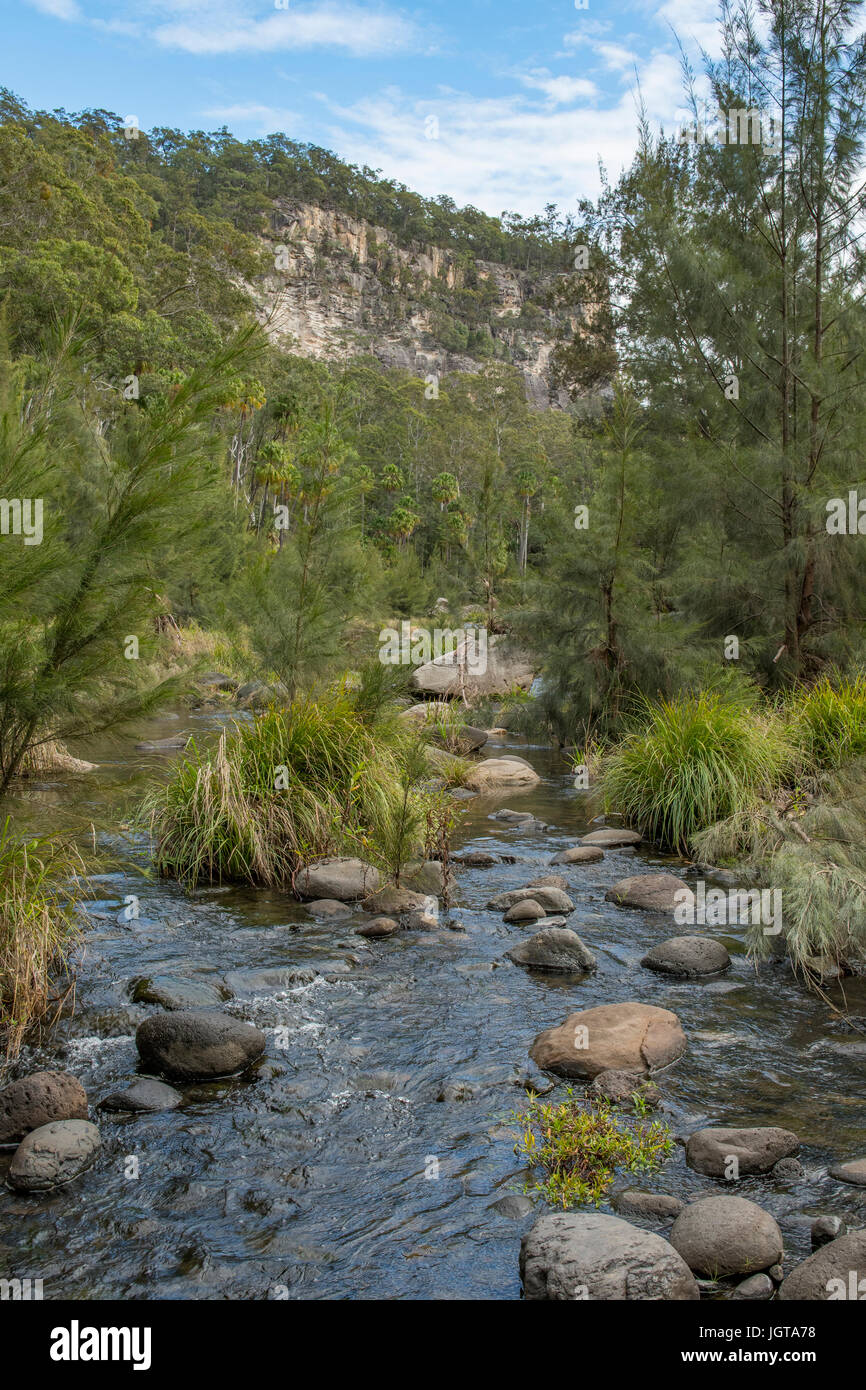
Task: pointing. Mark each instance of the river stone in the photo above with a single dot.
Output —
(758, 1287)
(197, 1044)
(832, 1265)
(513, 1206)
(501, 774)
(756, 1150)
(579, 854)
(853, 1172)
(174, 993)
(787, 1170)
(163, 745)
(476, 859)
(827, 1228)
(556, 948)
(37, 1100)
(688, 956)
(392, 901)
(144, 1096)
(566, 1256)
(340, 878)
(53, 1155)
(620, 1088)
(656, 1205)
(464, 738)
(380, 926)
(549, 881)
(726, 1235)
(609, 838)
(509, 817)
(427, 876)
(527, 910)
(329, 907)
(629, 1037)
(653, 892)
(552, 899)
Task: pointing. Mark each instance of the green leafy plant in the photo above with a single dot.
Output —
(575, 1148)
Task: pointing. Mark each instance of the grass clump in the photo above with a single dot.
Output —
(828, 722)
(317, 778)
(693, 761)
(37, 930)
(578, 1145)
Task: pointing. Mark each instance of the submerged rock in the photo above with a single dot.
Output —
(197, 1044)
(597, 1257)
(688, 956)
(173, 992)
(854, 1172)
(551, 899)
(629, 1037)
(556, 949)
(328, 907)
(37, 1100)
(610, 838)
(380, 926)
(53, 1155)
(756, 1150)
(726, 1235)
(144, 1096)
(163, 745)
(579, 854)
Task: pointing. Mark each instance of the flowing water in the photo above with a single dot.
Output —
(331, 1169)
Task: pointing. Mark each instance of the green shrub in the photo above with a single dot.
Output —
(37, 929)
(694, 760)
(578, 1145)
(828, 722)
(294, 785)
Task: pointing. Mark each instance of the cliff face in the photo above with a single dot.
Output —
(341, 287)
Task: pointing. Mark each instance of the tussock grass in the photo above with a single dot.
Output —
(828, 722)
(296, 784)
(37, 929)
(692, 761)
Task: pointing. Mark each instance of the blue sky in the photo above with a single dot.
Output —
(500, 103)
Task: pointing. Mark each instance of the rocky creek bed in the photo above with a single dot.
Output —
(366, 1152)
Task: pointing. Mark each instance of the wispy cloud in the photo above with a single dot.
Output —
(58, 9)
(223, 28)
(266, 119)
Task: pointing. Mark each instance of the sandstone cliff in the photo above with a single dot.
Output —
(342, 287)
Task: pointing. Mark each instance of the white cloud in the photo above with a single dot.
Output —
(266, 119)
(559, 90)
(58, 9)
(339, 24)
(693, 20)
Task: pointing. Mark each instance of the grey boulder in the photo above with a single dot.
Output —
(345, 879)
(555, 948)
(53, 1155)
(37, 1100)
(833, 1272)
(597, 1257)
(143, 1097)
(711, 1150)
(726, 1235)
(652, 892)
(197, 1044)
(688, 956)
